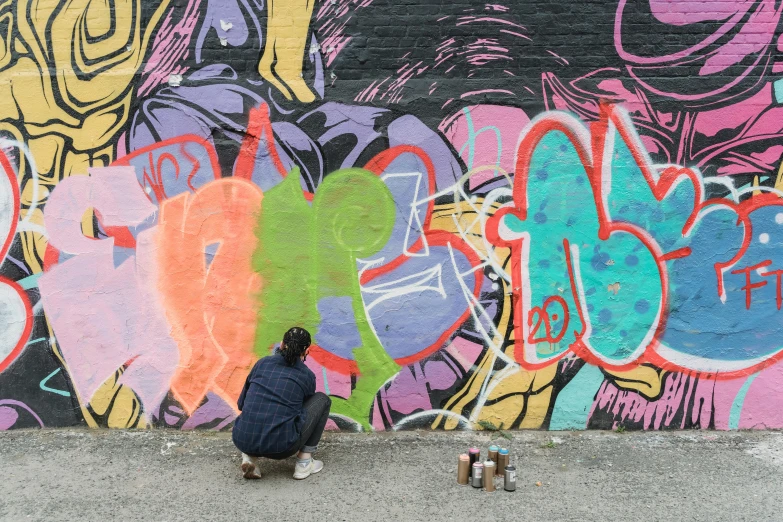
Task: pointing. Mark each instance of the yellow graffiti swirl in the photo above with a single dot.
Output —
(66, 74)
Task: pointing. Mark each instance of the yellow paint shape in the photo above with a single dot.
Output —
(69, 86)
(287, 29)
(116, 405)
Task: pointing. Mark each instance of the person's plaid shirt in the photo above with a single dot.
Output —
(272, 406)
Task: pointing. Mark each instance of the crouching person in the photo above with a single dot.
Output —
(281, 413)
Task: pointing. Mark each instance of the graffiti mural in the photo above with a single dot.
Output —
(484, 225)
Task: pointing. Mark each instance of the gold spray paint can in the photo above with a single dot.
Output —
(463, 469)
(489, 476)
(493, 454)
(502, 462)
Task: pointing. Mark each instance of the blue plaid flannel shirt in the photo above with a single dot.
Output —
(272, 406)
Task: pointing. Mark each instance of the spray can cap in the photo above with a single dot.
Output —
(489, 463)
(493, 448)
(474, 450)
(503, 451)
(510, 468)
(464, 456)
(478, 465)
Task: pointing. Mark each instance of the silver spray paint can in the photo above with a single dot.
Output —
(510, 478)
(477, 475)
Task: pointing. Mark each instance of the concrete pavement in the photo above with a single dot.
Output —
(584, 476)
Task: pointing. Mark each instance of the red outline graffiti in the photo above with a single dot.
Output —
(258, 125)
(182, 140)
(600, 138)
(122, 235)
(543, 317)
(743, 211)
(434, 238)
(9, 171)
(260, 122)
(28, 324)
(595, 162)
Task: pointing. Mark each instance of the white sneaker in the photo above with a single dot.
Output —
(249, 467)
(302, 471)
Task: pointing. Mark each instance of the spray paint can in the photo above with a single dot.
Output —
(489, 476)
(463, 469)
(502, 461)
(510, 478)
(493, 454)
(475, 456)
(478, 471)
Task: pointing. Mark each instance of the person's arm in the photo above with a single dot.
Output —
(241, 401)
(309, 383)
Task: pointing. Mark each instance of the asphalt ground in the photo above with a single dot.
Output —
(562, 476)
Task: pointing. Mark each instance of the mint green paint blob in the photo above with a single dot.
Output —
(44, 387)
(473, 135)
(573, 404)
(778, 91)
(739, 400)
(562, 214)
(632, 201)
(514, 224)
(307, 253)
(326, 380)
(30, 281)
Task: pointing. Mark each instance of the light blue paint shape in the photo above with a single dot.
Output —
(573, 403)
(29, 281)
(739, 400)
(778, 91)
(326, 380)
(337, 331)
(473, 136)
(44, 387)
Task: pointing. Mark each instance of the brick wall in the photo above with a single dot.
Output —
(489, 215)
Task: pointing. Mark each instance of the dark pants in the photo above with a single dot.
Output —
(316, 415)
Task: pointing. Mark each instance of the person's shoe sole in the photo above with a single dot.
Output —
(302, 477)
(249, 471)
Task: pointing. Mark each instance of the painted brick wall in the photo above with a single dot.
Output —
(557, 215)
